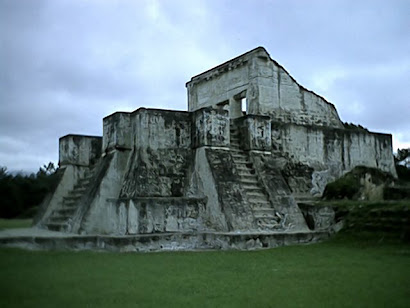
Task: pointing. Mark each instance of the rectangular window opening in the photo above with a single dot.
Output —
(243, 105)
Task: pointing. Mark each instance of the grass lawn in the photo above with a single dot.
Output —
(15, 223)
(343, 272)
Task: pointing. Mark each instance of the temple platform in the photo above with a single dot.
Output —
(40, 239)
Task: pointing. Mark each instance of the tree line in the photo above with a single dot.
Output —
(21, 194)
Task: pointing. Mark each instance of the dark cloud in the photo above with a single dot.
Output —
(67, 64)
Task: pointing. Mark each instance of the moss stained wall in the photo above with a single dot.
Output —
(161, 158)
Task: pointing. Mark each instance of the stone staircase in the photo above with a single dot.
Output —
(265, 217)
(60, 218)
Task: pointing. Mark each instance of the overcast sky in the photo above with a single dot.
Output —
(64, 65)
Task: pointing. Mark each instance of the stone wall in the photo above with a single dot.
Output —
(144, 215)
(218, 85)
(154, 215)
(161, 158)
(331, 152)
(161, 129)
(267, 87)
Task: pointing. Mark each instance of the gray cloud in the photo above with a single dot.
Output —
(67, 64)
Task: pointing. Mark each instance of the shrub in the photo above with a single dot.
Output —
(349, 185)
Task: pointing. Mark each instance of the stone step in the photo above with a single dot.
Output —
(239, 154)
(265, 213)
(253, 188)
(242, 161)
(257, 199)
(71, 198)
(267, 224)
(246, 181)
(70, 203)
(243, 164)
(84, 181)
(67, 210)
(56, 226)
(235, 149)
(252, 194)
(245, 171)
(75, 194)
(260, 205)
(58, 218)
(248, 176)
(80, 188)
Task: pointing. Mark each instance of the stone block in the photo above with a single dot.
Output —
(79, 150)
(161, 129)
(210, 127)
(116, 132)
(256, 132)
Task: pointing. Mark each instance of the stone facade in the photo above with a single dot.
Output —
(221, 166)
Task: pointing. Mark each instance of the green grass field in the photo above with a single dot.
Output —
(15, 223)
(343, 272)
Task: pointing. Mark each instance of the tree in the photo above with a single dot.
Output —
(47, 169)
(402, 154)
(3, 172)
(403, 172)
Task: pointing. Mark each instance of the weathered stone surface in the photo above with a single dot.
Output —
(79, 150)
(211, 127)
(319, 218)
(330, 152)
(256, 132)
(169, 241)
(269, 88)
(213, 171)
(117, 133)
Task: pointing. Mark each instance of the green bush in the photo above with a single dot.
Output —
(348, 186)
(344, 188)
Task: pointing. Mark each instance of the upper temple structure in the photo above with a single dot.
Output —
(252, 144)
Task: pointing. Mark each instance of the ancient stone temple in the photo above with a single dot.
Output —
(251, 145)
